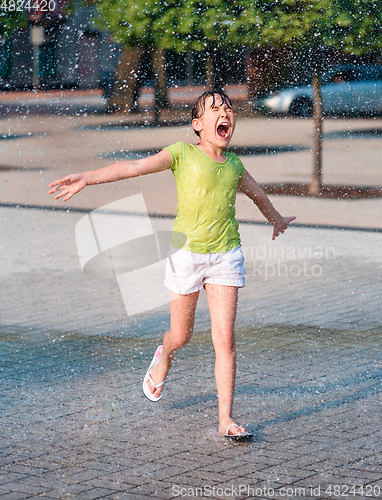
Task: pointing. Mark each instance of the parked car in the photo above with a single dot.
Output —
(346, 89)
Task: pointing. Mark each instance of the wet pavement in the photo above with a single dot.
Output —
(74, 421)
(84, 101)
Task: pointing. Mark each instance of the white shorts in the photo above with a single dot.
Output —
(188, 272)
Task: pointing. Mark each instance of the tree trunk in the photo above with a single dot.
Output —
(209, 73)
(125, 93)
(316, 184)
(158, 64)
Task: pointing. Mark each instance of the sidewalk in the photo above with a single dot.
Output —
(52, 101)
(75, 101)
(39, 149)
(74, 422)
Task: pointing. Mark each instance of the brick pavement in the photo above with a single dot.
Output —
(74, 422)
(84, 101)
(37, 149)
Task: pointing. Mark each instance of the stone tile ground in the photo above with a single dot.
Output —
(74, 422)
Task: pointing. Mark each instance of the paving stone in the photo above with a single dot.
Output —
(14, 495)
(66, 491)
(129, 496)
(9, 477)
(74, 422)
(114, 482)
(94, 493)
(23, 488)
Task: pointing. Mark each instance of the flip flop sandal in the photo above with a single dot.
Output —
(243, 436)
(146, 389)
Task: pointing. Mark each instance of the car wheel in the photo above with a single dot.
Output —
(302, 106)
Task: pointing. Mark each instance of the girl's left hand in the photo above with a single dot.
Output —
(281, 226)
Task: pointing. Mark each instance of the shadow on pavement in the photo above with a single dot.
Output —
(327, 191)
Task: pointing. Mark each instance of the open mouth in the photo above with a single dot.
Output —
(223, 130)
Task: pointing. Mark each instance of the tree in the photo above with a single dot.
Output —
(354, 26)
(156, 26)
(132, 25)
(202, 26)
(10, 21)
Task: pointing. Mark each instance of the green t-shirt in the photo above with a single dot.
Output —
(206, 199)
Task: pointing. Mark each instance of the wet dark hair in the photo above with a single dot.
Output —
(200, 104)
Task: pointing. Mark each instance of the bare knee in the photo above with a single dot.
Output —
(224, 342)
(180, 343)
(178, 339)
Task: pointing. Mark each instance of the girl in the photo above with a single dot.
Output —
(207, 180)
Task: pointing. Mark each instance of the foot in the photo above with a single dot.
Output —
(234, 431)
(156, 377)
(153, 390)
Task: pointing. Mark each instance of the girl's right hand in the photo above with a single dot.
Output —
(68, 186)
(281, 226)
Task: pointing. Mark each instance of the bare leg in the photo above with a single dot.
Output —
(222, 301)
(182, 324)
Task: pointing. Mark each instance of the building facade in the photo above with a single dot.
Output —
(72, 55)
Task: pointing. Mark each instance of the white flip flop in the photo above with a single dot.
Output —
(243, 436)
(146, 389)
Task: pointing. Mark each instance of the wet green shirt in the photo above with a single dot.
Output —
(206, 199)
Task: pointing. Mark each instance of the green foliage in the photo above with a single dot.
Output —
(354, 26)
(195, 25)
(9, 21)
(171, 24)
(133, 23)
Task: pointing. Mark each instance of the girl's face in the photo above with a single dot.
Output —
(217, 124)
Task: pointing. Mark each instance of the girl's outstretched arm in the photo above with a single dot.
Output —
(71, 184)
(249, 186)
